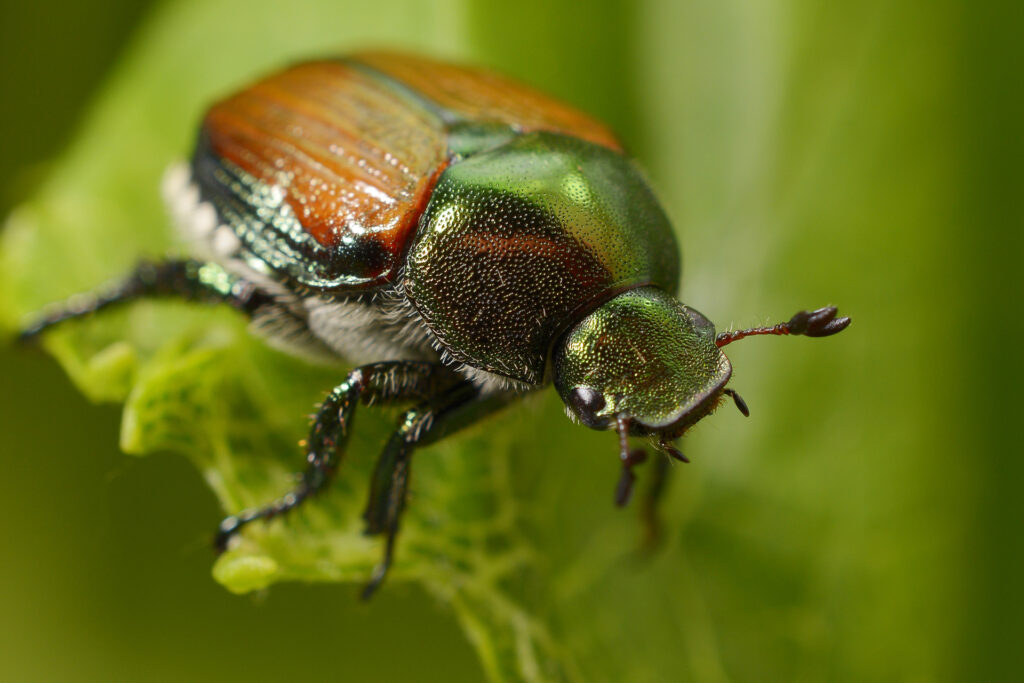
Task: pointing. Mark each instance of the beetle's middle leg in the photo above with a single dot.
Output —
(386, 382)
(427, 423)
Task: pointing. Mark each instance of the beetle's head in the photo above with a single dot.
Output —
(643, 360)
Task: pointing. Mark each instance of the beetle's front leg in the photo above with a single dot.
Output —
(431, 421)
(650, 515)
(630, 458)
(385, 382)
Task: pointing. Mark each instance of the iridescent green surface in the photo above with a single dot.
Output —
(643, 354)
(520, 241)
(465, 139)
(862, 525)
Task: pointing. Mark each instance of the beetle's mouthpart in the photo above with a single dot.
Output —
(670, 449)
(622, 428)
(630, 458)
(741, 405)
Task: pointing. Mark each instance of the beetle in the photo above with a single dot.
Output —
(461, 238)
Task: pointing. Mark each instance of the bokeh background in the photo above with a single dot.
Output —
(864, 524)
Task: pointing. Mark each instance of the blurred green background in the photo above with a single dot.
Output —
(864, 524)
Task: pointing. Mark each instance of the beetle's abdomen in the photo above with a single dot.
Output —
(520, 242)
(322, 170)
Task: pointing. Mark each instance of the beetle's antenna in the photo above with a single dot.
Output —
(820, 323)
(738, 400)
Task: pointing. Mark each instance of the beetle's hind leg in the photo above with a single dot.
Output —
(429, 422)
(186, 279)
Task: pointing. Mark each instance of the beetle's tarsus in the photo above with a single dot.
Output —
(380, 572)
(29, 334)
(230, 526)
(79, 306)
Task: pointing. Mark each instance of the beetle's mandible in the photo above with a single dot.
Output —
(463, 238)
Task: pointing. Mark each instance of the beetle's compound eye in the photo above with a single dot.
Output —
(586, 403)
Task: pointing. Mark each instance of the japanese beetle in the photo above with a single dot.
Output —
(464, 239)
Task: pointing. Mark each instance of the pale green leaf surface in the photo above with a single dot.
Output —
(770, 562)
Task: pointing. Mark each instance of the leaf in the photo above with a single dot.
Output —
(512, 522)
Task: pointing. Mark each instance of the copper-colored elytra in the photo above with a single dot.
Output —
(353, 155)
(276, 125)
(317, 147)
(317, 127)
(350, 152)
(399, 240)
(314, 179)
(480, 95)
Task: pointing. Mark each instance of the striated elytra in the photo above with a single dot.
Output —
(461, 238)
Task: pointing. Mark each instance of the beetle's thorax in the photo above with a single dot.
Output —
(522, 240)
